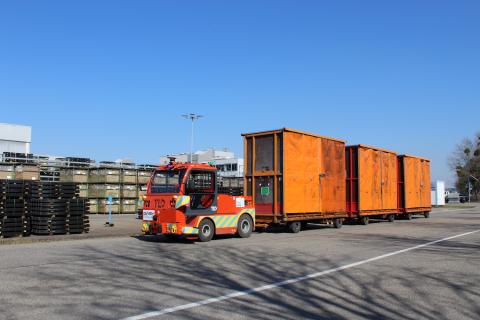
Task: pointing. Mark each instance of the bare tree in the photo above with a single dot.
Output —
(465, 161)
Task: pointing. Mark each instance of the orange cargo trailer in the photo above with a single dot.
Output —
(295, 177)
(414, 186)
(371, 183)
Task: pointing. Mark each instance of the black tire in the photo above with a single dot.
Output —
(364, 220)
(206, 230)
(408, 216)
(337, 223)
(294, 227)
(391, 218)
(244, 226)
(426, 215)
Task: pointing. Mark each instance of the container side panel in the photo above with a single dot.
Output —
(302, 155)
(412, 182)
(426, 184)
(332, 176)
(370, 189)
(249, 155)
(389, 181)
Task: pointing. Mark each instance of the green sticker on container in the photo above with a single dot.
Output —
(265, 191)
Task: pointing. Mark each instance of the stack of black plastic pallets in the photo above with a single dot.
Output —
(14, 217)
(57, 209)
(77, 219)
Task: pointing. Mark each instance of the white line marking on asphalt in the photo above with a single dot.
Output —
(237, 294)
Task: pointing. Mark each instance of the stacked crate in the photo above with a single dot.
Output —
(49, 216)
(27, 172)
(105, 182)
(56, 208)
(79, 176)
(15, 157)
(14, 219)
(128, 198)
(104, 206)
(143, 173)
(128, 190)
(48, 210)
(7, 171)
(77, 216)
(93, 205)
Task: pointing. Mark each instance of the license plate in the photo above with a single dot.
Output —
(171, 228)
(148, 215)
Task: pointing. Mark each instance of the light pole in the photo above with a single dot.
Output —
(192, 117)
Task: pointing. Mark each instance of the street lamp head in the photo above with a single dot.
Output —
(192, 116)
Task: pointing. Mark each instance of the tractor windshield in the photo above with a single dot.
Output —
(167, 181)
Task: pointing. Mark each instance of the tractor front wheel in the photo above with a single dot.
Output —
(206, 230)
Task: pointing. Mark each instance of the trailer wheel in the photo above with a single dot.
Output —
(391, 218)
(294, 227)
(408, 216)
(364, 220)
(426, 215)
(206, 230)
(337, 223)
(244, 226)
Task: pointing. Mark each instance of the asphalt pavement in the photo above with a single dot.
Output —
(418, 269)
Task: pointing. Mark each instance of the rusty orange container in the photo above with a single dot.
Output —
(413, 184)
(294, 175)
(371, 181)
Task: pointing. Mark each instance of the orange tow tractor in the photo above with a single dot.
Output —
(182, 200)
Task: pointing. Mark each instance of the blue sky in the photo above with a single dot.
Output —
(109, 79)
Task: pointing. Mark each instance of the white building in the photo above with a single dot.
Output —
(15, 138)
(438, 193)
(228, 165)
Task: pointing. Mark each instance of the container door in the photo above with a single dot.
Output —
(389, 181)
(351, 164)
(263, 174)
(370, 179)
(264, 194)
(400, 184)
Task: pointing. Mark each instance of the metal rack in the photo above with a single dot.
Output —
(126, 190)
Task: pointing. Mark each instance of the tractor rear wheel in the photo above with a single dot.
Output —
(426, 215)
(391, 218)
(244, 226)
(206, 230)
(294, 227)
